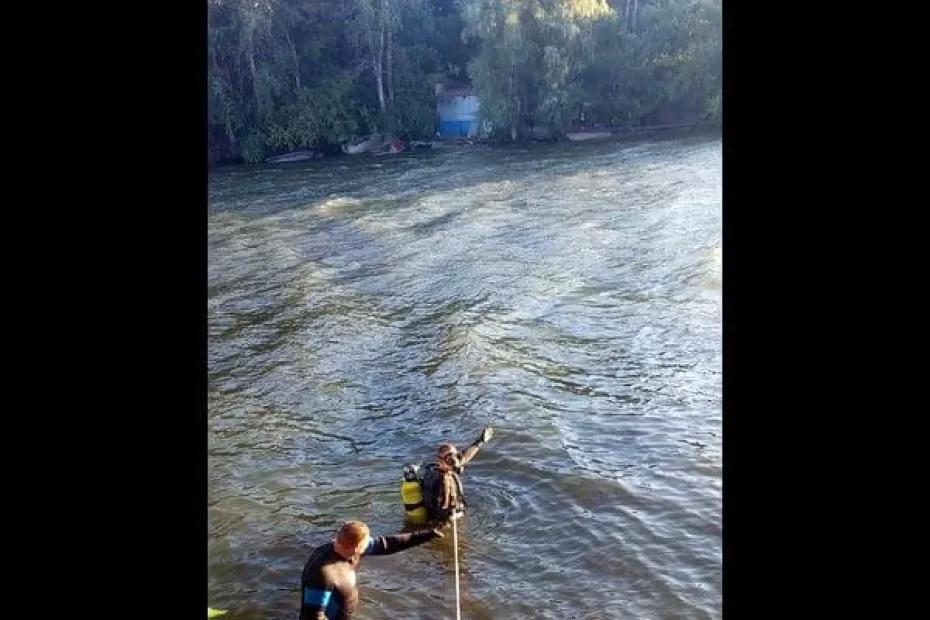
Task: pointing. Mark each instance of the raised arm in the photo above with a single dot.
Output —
(469, 453)
(386, 545)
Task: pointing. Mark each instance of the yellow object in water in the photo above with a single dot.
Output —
(412, 494)
(213, 613)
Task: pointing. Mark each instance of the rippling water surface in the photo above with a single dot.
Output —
(363, 310)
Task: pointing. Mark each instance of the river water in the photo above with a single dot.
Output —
(361, 311)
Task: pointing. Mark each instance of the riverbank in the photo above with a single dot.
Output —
(616, 134)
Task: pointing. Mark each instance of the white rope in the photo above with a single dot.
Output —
(455, 546)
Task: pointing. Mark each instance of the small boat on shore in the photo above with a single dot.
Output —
(362, 145)
(584, 136)
(395, 145)
(294, 156)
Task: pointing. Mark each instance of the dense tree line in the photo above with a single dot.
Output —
(287, 74)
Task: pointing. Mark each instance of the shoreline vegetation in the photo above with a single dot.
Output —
(630, 136)
(293, 80)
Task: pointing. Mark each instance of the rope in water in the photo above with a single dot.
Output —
(455, 553)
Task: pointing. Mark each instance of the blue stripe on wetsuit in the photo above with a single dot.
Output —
(318, 598)
(322, 598)
(371, 546)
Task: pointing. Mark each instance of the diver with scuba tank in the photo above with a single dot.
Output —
(434, 492)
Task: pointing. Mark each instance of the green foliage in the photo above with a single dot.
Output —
(286, 74)
(320, 117)
(253, 147)
(543, 62)
(415, 116)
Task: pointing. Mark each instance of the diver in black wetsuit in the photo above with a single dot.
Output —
(443, 495)
(328, 590)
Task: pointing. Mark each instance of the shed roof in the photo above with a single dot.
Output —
(450, 91)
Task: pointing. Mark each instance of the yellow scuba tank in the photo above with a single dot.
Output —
(411, 492)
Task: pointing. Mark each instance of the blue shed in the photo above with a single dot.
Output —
(458, 114)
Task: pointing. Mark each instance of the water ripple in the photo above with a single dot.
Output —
(361, 311)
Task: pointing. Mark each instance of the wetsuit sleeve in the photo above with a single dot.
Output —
(444, 506)
(315, 603)
(469, 453)
(337, 602)
(445, 493)
(386, 545)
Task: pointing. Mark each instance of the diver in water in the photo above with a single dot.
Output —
(443, 495)
(328, 583)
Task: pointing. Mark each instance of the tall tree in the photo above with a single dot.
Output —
(293, 72)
